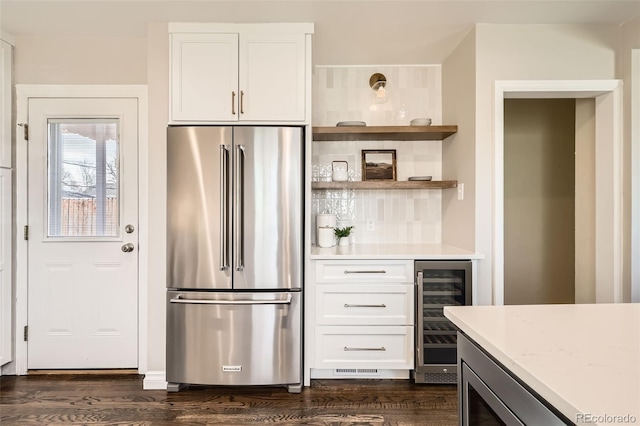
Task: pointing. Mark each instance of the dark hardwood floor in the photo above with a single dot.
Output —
(118, 399)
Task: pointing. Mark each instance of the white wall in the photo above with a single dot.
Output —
(342, 93)
(526, 52)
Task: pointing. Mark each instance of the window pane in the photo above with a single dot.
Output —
(84, 178)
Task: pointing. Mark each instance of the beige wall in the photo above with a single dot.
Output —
(585, 206)
(85, 60)
(525, 52)
(158, 80)
(631, 171)
(539, 182)
(459, 150)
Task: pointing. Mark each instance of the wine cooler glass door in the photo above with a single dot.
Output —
(440, 284)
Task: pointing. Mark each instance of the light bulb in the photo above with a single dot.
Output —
(381, 94)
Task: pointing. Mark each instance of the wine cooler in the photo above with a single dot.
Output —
(439, 283)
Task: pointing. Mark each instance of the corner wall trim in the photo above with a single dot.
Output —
(154, 380)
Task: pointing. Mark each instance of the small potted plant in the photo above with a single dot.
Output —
(343, 235)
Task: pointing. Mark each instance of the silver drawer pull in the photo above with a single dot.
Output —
(382, 305)
(179, 299)
(347, 348)
(366, 272)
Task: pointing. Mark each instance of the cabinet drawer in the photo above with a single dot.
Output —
(360, 271)
(383, 347)
(375, 304)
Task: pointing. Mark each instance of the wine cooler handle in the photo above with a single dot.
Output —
(419, 318)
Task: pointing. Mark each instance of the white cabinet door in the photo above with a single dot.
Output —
(364, 347)
(204, 77)
(364, 271)
(5, 104)
(364, 304)
(272, 77)
(5, 267)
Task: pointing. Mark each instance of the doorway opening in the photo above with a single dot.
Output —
(539, 199)
(606, 96)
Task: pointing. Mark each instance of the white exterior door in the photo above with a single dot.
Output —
(83, 233)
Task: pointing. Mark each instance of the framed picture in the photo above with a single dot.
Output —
(379, 164)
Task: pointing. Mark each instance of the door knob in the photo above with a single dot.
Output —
(128, 247)
(129, 229)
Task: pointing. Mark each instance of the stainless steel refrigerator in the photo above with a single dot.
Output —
(235, 199)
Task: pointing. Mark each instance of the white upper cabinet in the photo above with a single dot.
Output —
(272, 77)
(204, 77)
(240, 72)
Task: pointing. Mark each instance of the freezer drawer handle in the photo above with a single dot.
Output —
(179, 299)
(382, 305)
(365, 272)
(381, 348)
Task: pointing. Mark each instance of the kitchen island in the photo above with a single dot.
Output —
(582, 360)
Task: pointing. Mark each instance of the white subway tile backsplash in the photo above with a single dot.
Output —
(343, 94)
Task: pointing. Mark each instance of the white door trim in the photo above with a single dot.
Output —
(635, 175)
(609, 140)
(23, 93)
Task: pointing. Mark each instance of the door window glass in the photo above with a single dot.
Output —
(83, 178)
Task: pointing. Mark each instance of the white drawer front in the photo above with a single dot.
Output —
(375, 304)
(359, 271)
(383, 347)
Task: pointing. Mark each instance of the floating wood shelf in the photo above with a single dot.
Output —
(377, 184)
(384, 133)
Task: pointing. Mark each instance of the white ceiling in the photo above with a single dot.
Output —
(347, 32)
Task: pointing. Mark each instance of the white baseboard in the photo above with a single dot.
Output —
(155, 380)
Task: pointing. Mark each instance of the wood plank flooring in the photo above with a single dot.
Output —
(118, 399)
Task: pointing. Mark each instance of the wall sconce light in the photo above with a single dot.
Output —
(378, 82)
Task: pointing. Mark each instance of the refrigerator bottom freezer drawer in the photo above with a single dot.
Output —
(233, 338)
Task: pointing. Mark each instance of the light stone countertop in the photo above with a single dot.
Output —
(393, 251)
(582, 359)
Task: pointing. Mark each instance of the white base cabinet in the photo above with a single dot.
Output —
(360, 320)
(239, 72)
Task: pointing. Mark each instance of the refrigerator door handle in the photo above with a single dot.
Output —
(178, 299)
(239, 208)
(224, 208)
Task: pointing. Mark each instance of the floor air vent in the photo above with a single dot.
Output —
(356, 371)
